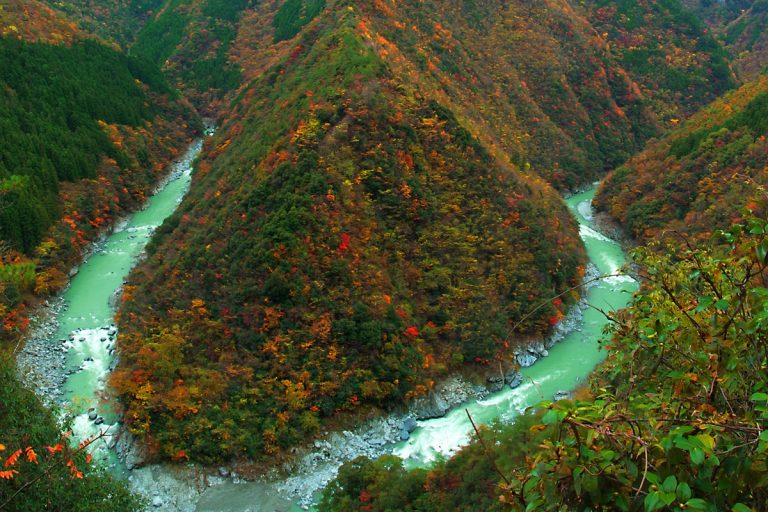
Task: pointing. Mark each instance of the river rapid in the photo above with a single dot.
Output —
(572, 352)
(74, 342)
(75, 347)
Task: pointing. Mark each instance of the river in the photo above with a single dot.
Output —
(568, 364)
(85, 326)
(85, 321)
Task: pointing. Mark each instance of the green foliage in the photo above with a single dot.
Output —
(52, 97)
(228, 10)
(681, 402)
(378, 486)
(293, 16)
(199, 35)
(701, 175)
(687, 71)
(345, 242)
(24, 421)
(115, 20)
(158, 39)
(753, 119)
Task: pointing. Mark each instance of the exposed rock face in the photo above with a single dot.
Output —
(526, 359)
(430, 406)
(447, 394)
(129, 450)
(513, 378)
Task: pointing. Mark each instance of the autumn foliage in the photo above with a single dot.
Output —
(345, 242)
(39, 467)
(701, 177)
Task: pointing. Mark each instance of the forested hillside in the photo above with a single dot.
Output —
(36, 22)
(380, 207)
(716, 13)
(86, 135)
(674, 420)
(349, 243)
(530, 79)
(747, 40)
(571, 90)
(677, 63)
(369, 215)
(115, 20)
(701, 177)
(191, 41)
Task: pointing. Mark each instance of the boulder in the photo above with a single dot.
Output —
(495, 383)
(405, 435)
(129, 450)
(513, 378)
(430, 406)
(409, 424)
(526, 359)
(157, 502)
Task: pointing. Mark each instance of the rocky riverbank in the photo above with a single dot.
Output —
(43, 365)
(312, 467)
(42, 361)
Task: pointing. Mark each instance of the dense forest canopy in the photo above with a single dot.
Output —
(345, 264)
(380, 205)
(700, 177)
(53, 98)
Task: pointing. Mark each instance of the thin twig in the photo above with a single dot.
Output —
(51, 467)
(547, 301)
(491, 459)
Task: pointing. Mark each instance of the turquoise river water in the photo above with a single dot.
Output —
(86, 320)
(86, 324)
(568, 364)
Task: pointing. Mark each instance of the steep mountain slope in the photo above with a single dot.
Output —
(35, 22)
(531, 79)
(86, 132)
(747, 40)
(741, 26)
(717, 13)
(534, 80)
(692, 342)
(369, 215)
(345, 242)
(114, 20)
(678, 65)
(700, 177)
(190, 40)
